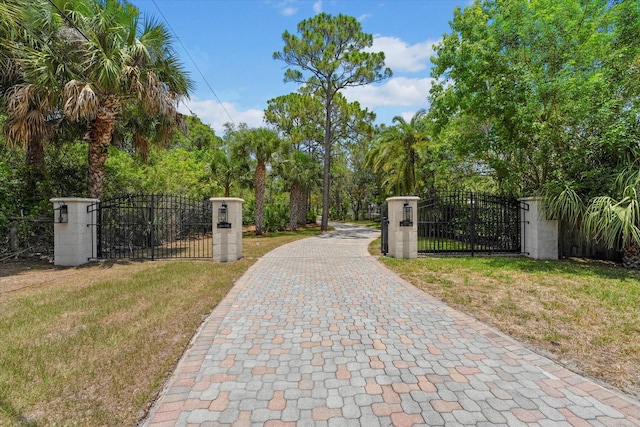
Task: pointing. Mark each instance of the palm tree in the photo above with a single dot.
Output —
(614, 222)
(10, 16)
(395, 153)
(29, 37)
(120, 65)
(227, 169)
(260, 144)
(301, 171)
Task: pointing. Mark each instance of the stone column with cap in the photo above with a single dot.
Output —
(227, 228)
(74, 231)
(403, 231)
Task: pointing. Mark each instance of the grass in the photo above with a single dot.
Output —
(366, 223)
(92, 346)
(584, 314)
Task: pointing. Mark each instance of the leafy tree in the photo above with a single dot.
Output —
(300, 119)
(396, 150)
(329, 56)
(362, 185)
(199, 135)
(261, 144)
(178, 171)
(540, 92)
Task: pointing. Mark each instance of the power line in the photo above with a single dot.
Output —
(66, 18)
(193, 62)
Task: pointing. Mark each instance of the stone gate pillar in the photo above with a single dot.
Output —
(227, 228)
(403, 227)
(74, 231)
(539, 235)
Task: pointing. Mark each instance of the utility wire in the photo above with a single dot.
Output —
(66, 18)
(193, 62)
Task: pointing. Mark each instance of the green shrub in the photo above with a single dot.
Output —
(249, 212)
(312, 217)
(276, 217)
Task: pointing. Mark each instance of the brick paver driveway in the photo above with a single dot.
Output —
(319, 333)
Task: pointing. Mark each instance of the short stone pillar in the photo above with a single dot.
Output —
(227, 228)
(539, 235)
(403, 231)
(74, 231)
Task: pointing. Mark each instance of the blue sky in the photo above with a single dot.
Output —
(232, 43)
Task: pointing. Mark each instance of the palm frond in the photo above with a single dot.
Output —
(27, 110)
(614, 222)
(566, 205)
(81, 101)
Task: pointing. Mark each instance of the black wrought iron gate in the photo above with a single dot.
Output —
(468, 222)
(152, 226)
(384, 227)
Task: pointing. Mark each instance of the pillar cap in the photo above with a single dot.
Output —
(226, 199)
(403, 198)
(531, 199)
(73, 199)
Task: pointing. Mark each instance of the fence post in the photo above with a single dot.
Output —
(227, 228)
(539, 235)
(13, 233)
(403, 227)
(74, 237)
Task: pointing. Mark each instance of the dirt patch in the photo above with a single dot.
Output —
(30, 274)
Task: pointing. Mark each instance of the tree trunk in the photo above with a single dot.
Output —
(99, 135)
(260, 181)
(412, 172)
(294, 203)
(35, 164)
(324, 225)
(302, 207)
(631, 256)
(356, 211)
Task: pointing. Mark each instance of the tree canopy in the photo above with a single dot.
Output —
(96, 63)
(329, 55)
(541, 92)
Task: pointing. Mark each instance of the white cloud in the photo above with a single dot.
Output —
(212, 113)
(408, 115)
(400, 56)
(286, 7)
(362, 17)
(317, 6)
(288, 11)
(396, 92)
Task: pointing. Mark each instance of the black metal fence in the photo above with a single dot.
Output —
(152, 226)
(468, 222)
(574, 243)
(384, 227)
(373, 212)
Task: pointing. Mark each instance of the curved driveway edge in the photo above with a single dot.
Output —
(319, 333)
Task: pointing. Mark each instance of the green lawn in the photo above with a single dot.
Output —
(91, 346)
(585, 313)
(365, 223)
